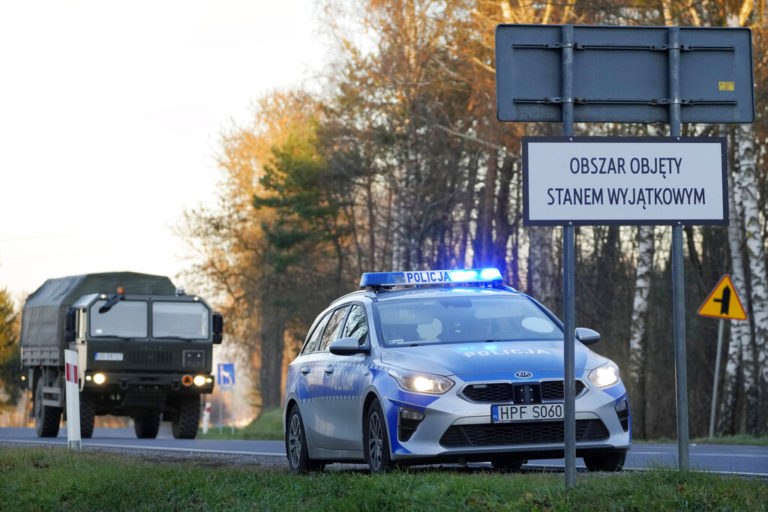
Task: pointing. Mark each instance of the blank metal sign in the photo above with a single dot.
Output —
(621, 74)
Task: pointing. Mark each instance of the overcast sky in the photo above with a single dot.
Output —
(110, 114)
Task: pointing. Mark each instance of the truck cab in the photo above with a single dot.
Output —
(143, 355)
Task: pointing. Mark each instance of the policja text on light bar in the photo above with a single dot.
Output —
(417, 277)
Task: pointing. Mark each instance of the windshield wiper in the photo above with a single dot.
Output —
(174, 338)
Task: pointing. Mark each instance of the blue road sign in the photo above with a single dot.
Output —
(225, 375)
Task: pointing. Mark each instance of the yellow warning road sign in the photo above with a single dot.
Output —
(723, 302)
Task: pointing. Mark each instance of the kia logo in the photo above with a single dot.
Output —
(523, 374)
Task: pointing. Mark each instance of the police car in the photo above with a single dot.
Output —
(444, 366)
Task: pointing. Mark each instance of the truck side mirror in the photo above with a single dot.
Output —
(218, 328)
(70, 331)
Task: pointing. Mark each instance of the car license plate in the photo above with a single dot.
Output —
(527, 412)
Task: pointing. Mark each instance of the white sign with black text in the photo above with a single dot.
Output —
(624, 180)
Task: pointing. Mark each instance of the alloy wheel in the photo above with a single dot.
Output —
(375, 440)
(294, 441)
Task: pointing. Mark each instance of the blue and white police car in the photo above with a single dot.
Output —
(446, 365)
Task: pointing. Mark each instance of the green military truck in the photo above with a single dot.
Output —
(144, 350)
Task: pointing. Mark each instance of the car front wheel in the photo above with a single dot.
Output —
(296, 445)
(376, 441)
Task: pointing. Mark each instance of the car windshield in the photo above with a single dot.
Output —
(452, 319)
(126, 319)
(185, 320)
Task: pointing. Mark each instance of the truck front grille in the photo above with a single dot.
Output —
(152, 357)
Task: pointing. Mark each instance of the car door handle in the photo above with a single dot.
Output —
(304, 370)
(329, 369)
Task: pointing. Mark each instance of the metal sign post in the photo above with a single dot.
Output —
(713, 410)
(225, 375)
(566, 73)
(678, 278)
(569, 280)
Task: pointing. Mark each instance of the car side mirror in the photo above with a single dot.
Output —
(218, 328)
(70, 330)
(348, 347)
(587, 336)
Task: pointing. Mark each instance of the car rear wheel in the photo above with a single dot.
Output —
(376, 441)
(609, 461)
(296, 445)
(184, 426)
(47, 418)
(507, 464)
(146, 425)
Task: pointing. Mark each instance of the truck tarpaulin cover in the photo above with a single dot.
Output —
(43, 316)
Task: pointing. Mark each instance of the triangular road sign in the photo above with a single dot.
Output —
(723, 302)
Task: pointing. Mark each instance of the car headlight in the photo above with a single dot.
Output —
(99, 379)
(421, 382)
(604, 376)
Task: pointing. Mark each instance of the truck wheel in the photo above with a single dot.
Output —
(146, 426)
(47, 418)
(87, 416)
(608, 461)
(507, 464)
(186, 422)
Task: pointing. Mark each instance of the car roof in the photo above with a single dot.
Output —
(412, 292)
(437, 291)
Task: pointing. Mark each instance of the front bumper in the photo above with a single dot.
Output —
(454, 428)
(133, 381)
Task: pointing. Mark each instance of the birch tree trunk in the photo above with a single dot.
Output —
(748, 186)
(732, 403)
(541, 266)
(645, 250)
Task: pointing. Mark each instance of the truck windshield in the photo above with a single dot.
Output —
(185, 320)
(434, 320)
(126, 319)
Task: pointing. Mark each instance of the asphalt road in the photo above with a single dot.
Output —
(745, 460)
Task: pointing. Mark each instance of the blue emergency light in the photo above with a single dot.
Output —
(421, 277)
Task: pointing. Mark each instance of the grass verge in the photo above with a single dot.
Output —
(268, 426)
(740, 439)
(46, 479)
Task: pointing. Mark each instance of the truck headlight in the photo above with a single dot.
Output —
(604, 376)
(99, 379)
(421, 382)
(199, 380)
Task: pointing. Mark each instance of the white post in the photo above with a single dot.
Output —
(717, 375)
(232, 409)
(73, 399)
(206, 417)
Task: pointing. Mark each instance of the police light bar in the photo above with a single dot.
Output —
(419, 277)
